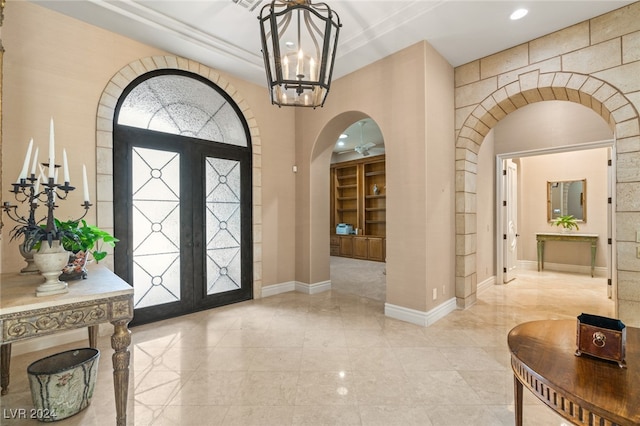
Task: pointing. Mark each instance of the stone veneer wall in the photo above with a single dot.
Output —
(104, 144)
(595, 63)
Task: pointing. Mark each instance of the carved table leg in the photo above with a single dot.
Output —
(540, 246)
(93, 336)
(594, 246)
(5, 362)
(517, 394)
(120, 342)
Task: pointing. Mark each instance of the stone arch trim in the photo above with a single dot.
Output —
(603, 98)
(104, 143)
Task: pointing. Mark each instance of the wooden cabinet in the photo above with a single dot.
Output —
(358, 198)
(360, 248)
(334, 245)
(369, 248)
(346, 246)
(377, 249)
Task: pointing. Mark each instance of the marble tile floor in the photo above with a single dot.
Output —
(329, 359)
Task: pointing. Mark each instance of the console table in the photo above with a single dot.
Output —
(582, 389)
(102, 297)
(541, 238)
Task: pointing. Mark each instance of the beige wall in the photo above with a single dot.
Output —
(534, 172)
(57, 66)
(416, 120)
(549, 125)
(594, 63)
(486, 243)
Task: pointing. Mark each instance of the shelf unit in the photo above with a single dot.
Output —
(346, 195)
(358, 198)
(375, 199)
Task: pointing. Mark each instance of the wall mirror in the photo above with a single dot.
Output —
(567, 198)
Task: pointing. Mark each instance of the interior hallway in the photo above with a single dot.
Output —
(331, 358)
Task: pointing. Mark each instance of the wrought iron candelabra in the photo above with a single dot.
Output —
(28, 191)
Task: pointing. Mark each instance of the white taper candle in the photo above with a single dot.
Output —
(25, 164)
(52, 152)
(85, 185)
(65, 166)
(35, 161)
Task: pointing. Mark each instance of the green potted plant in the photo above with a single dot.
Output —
(79, 236)
(567, 222)
(35, 234)
(82, 239)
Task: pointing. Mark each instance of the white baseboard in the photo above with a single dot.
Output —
(532, 265)
(486, 284)
(527, 265)
(313, 288)
(274, 289)
(419, 317)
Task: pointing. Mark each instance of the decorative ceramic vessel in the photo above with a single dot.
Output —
(76, 269)
(50, 260)
(31, 268)
(62, 384)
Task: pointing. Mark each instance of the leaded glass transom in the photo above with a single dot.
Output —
(185, 106)
(156, 226)
(223, 225)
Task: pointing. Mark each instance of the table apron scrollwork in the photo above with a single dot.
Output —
(40, 322)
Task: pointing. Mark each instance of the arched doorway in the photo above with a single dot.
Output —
(321, 155)
(532, 87)
(358, 211)
(182, 179)
(105, 119)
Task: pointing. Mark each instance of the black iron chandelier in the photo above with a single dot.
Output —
(299, 41)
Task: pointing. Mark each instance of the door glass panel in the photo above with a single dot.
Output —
(222, 225)
(184, 228)
(185, 106)
(156, 226)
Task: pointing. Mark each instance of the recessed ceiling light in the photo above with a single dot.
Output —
(343, 136)
(520, 13)
(340, 143)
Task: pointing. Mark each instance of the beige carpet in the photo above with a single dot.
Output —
(361, 277)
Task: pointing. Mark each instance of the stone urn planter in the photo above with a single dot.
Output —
(50, 259)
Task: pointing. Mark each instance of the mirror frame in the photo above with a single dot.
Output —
(583, 199)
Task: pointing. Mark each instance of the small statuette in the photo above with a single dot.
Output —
(376, 191)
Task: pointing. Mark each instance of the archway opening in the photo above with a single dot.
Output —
(602, 98)
(358, 211)
(351, 202)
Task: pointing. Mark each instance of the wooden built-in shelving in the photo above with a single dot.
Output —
(355, 202)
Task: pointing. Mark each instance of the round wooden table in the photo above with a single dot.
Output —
(582, 389)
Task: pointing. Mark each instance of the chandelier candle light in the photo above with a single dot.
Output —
(51, 257)
(299, 41)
